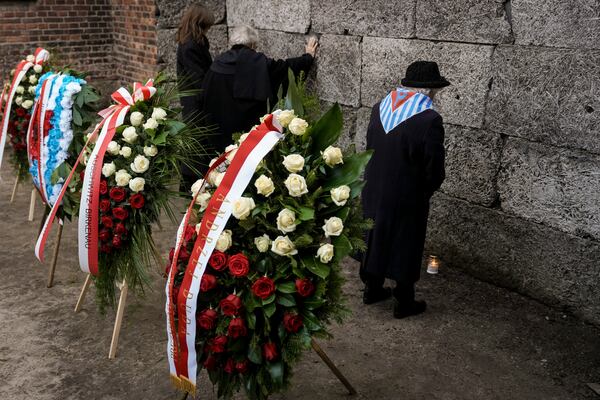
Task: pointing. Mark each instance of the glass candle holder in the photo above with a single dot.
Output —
(433, 265)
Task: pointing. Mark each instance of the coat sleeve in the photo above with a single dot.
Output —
(434, 156)
(196, 61)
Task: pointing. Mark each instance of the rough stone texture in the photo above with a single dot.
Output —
(479, 21)
(380, 18)
(281, 44)
(548, 95)
(472, 162)
(557, 23)
(279, 15)
(552, 186)
(363, 116)
(338, 73)
(544, 263)
(170, 11)
(466, 66)
(218, 39)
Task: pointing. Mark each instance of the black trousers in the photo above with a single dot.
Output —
(404, 292)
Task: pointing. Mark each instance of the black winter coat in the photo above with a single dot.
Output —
(407, 167)
(193, 61)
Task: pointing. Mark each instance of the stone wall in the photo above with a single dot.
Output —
(521, 204)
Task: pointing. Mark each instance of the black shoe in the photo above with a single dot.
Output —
(372, 296)
(408, 310)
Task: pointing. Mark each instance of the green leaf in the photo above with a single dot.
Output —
(269, 310)
(269, 300)
(77, 120)
(287, 287)
(175, 126)
(303, 241)
(159, 139)
(276, 372)
(316, 267)
(356, 188)
(342, 247)
(286, 300)
(251, 318)
(254, 351)
(293, 100)
(327, 129)
(80, 99)
(350, 171)
(314, 303)
(306, 213)
(343, 213)
(311, 322)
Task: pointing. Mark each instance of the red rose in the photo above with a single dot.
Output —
(211, 363)
(104, 235)
(304, 287)
(104, 205)
(184, 255)
(229, 366)
(270, 351)
(107, 222)
(103, 187)
(120, 229)
(239, 265)
(117, 194)
(82, 174)
(292, 322)
(189, 233)
(105, 248)
(217, 345)
(230, 305)
(137, 201)
(20, 111)
(119, 213)
(207, 319)
(237, 328)
(116, 242)
(218, 260)
(263, 287)
(208, 282)
(242, 366)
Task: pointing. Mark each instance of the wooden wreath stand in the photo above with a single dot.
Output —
(52, 269)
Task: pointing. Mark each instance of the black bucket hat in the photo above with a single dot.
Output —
(424, 74)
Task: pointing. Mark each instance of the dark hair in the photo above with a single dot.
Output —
(196, 21)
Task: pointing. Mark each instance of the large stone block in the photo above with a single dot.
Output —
(544, 263)
(553, 186)
(364, 17)
(218, 39)
(479, 21)
(547, 95)
(281, 45)
(167, 51)
(467, 67)
(557, 23)
(280, 15)
(363, 117)
(170, 11)
(472, 162)
(338, 72)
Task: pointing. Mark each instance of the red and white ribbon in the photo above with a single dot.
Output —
(41, 55)
(181, 343)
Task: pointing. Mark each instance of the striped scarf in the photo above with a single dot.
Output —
(400, 105)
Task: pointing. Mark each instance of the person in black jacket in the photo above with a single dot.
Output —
(407, 167)
(242, 84)
(193, 61)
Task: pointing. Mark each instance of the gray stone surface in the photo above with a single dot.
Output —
(552, 186)
(170, 11)
(380, 18)
(281, 44)
(363, 116)
(557, 23)
(479, 21)
(472, 162)
(544, 263)
(279, 15)
(466, 66)
(218, 39)
(548, 95)
(338, 71)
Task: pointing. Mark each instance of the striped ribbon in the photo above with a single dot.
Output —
(400, 105)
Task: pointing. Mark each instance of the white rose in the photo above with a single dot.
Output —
(219, 178)
(264, 185)
(122, 177)
(333, 156)
(262, 243)
(27, 104)
(293, 162)
(286, 221)
(150, 151)
(340, 195)
(298, 126)
(37, 68)
(159, 114)
(31, 90)
(296, 185)
(137, 184)
(140, 164)
(33, 79)
(130, 135)
(203, 199)
(333, 227)
(196, 186)
(242, 207)
(285, 117)
(30, 58)
(20, 89)
(136, 118)
(231, 149)
(283, 246)
(224, 241)
(325, 253)
(18, 100)
(125, 151)
(151, 123)
(113, 148)
(108, 169)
